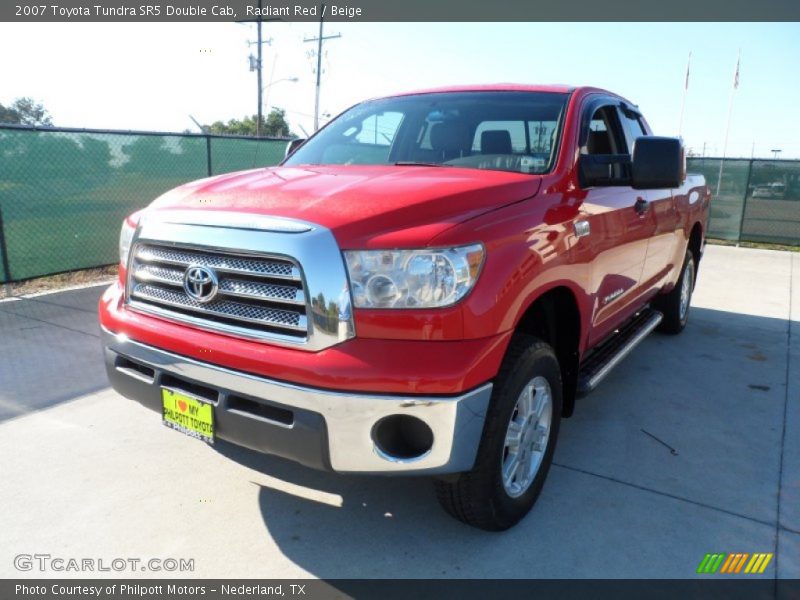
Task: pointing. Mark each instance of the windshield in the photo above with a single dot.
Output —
(502, 131)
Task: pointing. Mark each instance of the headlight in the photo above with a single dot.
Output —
(125, 238)
(427, 278)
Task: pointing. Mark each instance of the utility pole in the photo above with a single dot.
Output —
(260, 71)
(257, 64)
(319, 39)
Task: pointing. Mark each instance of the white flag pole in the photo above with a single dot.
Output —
(685, 91)
(728, 124)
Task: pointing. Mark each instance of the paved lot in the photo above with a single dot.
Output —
(87, 473)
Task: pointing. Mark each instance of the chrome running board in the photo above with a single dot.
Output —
(611, 352)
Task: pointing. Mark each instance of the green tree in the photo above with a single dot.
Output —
(25, 111)
(275, 125)
(8, 115)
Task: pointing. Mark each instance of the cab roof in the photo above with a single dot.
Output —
(509, 87)
(493, 87)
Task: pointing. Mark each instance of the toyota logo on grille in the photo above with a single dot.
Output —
(200, 283)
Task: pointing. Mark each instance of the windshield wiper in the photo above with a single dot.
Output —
(414, 163)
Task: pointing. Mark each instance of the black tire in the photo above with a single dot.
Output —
(479, 497)
(670, 304)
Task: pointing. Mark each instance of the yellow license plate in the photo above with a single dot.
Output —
(188, 415)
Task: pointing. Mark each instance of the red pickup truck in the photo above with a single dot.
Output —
(423, 287)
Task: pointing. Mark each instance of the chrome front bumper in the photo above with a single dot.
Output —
(345, 420)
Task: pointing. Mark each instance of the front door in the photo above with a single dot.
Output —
(660, 213)
(619, 230)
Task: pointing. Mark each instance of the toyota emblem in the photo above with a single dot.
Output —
(200, 283)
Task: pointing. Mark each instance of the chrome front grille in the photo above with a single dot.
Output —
(243, 265)
(257, 296)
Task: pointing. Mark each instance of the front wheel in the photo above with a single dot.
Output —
(675, 304)
(518, 441)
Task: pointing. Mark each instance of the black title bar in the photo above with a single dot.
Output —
(399, 10)
(400, 589)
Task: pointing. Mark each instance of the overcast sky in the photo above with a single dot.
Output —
(153, 76)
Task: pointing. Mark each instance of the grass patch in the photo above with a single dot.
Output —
(57, 282)
(759, 245)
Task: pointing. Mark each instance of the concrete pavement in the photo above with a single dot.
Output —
(692, 445)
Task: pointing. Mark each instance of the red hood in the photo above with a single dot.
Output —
(364, 206)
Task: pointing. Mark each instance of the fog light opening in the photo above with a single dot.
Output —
(402, 438)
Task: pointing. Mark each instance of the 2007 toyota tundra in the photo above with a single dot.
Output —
(424, 286)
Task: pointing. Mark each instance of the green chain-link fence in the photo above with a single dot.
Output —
(756, 200)
(64, 192)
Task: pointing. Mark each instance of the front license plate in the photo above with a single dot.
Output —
(188, 415)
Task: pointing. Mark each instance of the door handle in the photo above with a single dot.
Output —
(641, 206)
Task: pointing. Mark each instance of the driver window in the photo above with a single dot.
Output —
(605, 138)
(604, 133)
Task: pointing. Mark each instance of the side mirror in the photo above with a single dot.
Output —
(657, 163)
(293, 145)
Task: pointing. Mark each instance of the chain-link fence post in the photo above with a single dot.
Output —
(6, 270)
(744, 200)
(208, 154)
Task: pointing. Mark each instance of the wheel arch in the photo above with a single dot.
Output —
(555, 317)
(696, 242)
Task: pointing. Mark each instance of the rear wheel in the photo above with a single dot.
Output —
(518, 441)
(675, 305)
